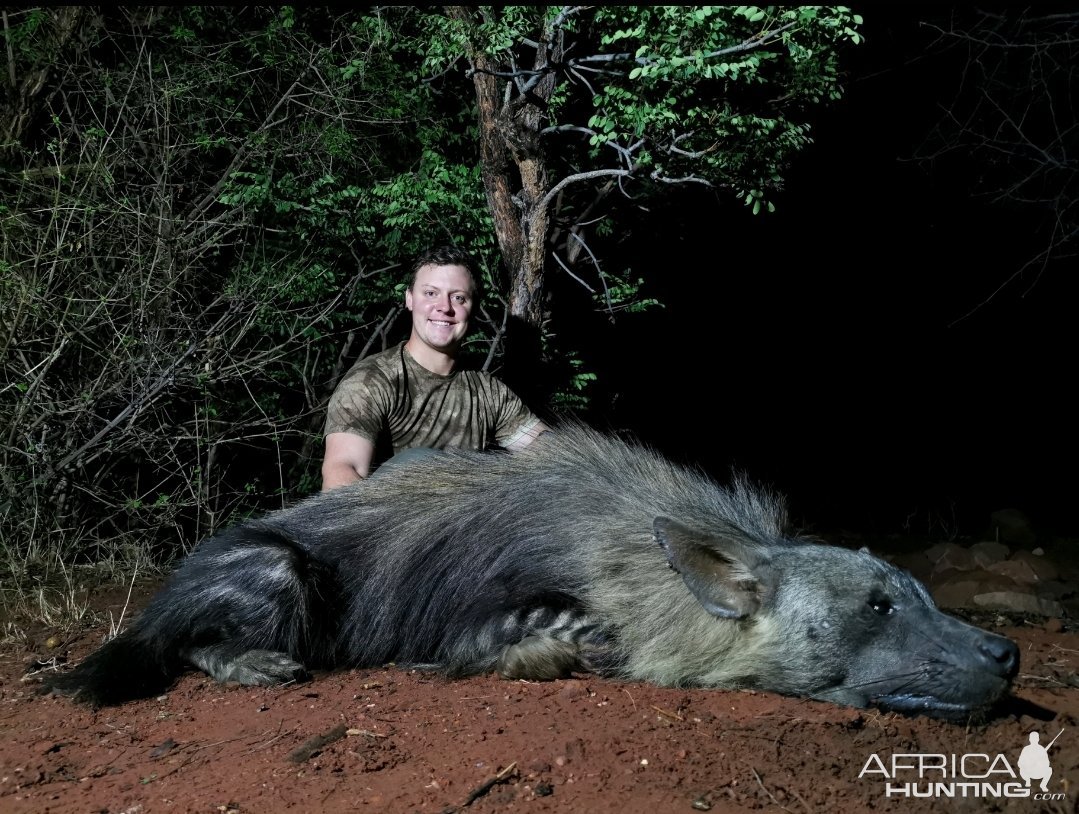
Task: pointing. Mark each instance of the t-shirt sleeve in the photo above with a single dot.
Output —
(515, 420)
(360, 404)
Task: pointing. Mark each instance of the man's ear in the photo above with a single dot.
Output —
(408, 298)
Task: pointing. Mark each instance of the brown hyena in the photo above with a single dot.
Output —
(582, 552)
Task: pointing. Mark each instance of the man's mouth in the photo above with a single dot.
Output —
(441, 322)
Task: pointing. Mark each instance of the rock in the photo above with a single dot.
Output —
(956, 594)
(961, 588)
(1012, 526)
(1054, 625)
(953, 557)
(988, 553)
(934, 553)
(1018, 603)
(1055, 589)
(944, 576)
(573, 688)
(1014, 569)
(1043, 568)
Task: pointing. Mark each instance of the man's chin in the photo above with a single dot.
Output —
(443, 344)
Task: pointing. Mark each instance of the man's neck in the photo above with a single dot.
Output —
(427, 357)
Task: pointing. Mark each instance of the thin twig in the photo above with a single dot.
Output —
(760, 783)
(483, 788)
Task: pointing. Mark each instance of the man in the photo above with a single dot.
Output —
(413, 395)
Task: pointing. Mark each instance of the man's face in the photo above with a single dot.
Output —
(440, 301)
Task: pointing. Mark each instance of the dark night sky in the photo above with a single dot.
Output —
(824, 329)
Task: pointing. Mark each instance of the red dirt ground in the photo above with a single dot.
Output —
(395, 740)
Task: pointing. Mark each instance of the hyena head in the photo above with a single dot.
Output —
(838, 625)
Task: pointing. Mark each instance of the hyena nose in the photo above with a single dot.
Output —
(1001, 655)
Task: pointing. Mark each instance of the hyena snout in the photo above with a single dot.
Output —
(974, 650)
(997, 655)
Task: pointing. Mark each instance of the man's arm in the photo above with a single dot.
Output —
(348, 459)
(526, 438)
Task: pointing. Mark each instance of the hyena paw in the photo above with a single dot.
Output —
(265, 668)
(539, 658)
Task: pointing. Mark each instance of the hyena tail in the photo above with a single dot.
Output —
(250, 605)
(122, 669)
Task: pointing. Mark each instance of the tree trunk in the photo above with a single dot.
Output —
(497, 170)
(21, 105)
(515, 175)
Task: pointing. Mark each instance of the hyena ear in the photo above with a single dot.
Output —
(728, 578)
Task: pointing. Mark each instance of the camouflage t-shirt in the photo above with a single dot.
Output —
(397, 404)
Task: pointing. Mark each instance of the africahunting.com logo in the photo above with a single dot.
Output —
(971, 775)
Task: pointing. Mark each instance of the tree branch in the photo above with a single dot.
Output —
(573, 179)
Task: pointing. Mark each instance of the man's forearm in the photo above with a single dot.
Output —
(335, 475)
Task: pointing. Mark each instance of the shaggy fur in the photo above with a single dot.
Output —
(581, 552)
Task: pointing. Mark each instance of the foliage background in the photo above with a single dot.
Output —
(206, 212)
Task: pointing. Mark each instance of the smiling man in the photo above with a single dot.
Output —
(415, 395)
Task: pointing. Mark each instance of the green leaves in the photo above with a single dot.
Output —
(718, 92)
(751, 13)
(754, 198)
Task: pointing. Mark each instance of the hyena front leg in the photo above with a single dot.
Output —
(555, 644)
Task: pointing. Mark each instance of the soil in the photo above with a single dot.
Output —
(399, 740)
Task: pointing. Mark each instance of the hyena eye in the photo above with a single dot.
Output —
(882, 607)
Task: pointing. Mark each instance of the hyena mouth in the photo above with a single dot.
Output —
(922, 704)
(931, 705)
